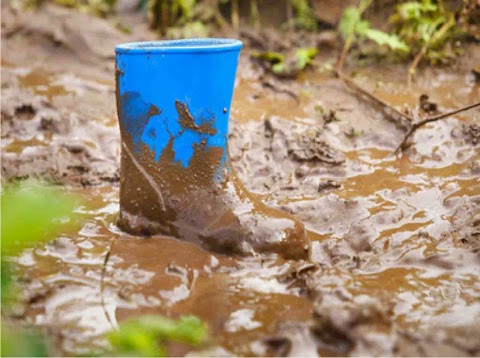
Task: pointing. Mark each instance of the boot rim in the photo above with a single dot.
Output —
(181, 46)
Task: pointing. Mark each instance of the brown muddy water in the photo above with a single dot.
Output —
(394, 264)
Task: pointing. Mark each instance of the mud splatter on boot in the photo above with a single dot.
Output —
(176, 178)
(202, 202)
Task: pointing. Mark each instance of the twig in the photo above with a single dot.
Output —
(417, 125)
(343, 55)
(289, 14)
(272, 86)
(363, 5)
(205, 7)
(164, 13)
(416, 61)
(346, 48)
(102, 283)
(438, 34)
(409, 120)
(387, 109)
(255, 15)
(234, 13)
(255, 39)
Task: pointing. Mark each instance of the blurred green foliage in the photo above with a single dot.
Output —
(148, 336)
(33, 213)
(426, 23)
(20, 342)
(421, 29)
(354, 28)
(189, 30)
(163, 14)
(283, 66)
(417, 26)
(96, 7)
(30, 213)
(305, 56)
(304, 17)
(187, 14)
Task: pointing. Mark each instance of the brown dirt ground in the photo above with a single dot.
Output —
(395, 261)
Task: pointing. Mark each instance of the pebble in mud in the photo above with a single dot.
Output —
(309, 147)
(472, 132)
(301, 171)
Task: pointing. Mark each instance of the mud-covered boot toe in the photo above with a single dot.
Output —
(267, 231)
(281, 234)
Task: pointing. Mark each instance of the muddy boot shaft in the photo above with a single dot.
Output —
(173, 101)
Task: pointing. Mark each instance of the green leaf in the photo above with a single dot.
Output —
(147, 336)
(279, 68)
(19, 342)
(191, 330)
(305, 56)
(414, 10)
(271, 56)
(410, 10)
(349, 21)
(304, 15)
(275, 58)
(31, 213)
(352, 25)
(189, 30)
(382, 38)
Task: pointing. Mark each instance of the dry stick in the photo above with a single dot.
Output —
(164, 15)
(234, 13)
(275, 88)
(363, 5)
(346, 48)
(423, 51)
(416, 61)
(343, 56)
(102, 282)
(415, 126)
(289, 13)
(255, 15)
(387, 107)
(350, 83)
(219, 19)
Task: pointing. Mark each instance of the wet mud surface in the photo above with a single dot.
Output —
(394, 263)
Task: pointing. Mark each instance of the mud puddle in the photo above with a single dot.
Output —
(394, 266)
(395, 261)
(241, 300)
(58, 127)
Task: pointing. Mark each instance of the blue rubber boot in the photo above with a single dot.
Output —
(173, 101)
